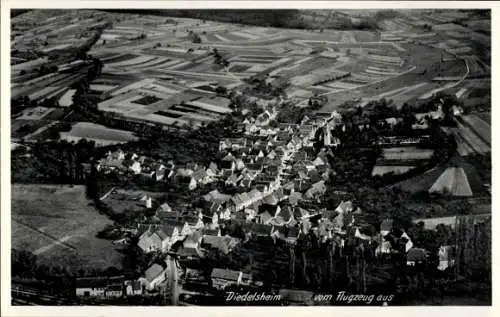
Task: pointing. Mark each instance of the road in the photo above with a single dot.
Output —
(172, 280)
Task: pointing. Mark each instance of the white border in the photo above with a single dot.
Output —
(8, 310)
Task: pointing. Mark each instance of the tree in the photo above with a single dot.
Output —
(196, 38)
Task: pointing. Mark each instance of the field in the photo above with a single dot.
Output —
(167, 103)
(406, 153)
(425, 181)
(382, 169)
(58, 225)
(468, 138)
(98, 133)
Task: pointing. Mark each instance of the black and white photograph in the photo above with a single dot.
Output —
(249, 157)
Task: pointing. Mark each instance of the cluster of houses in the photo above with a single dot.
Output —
(119, 287)
(275, 172)
(190, 175)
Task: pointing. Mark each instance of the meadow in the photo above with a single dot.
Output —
(58, 224)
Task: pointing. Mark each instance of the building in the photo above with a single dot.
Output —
(99, 287)
(150, 241)
(154, 276)
(222, 278)
(133, 288)
(223, 244)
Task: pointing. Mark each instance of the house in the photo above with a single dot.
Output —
(191, 247)
(114, 290)
(384, 245)
(193, 274)
(164, 208)
(169, 234)
(265, 118)
(149, 203)
(225, 214)
(271, 199)
(251, 212)
(416, 256)
(199, 175)
(239, 164)
(267, 212)
(344, 207)
(183, 173)
(135, 167)
(317, 189)
(193, 240)
(319, 161)
(243, 200)
(257, 230)
(212, 220)
(285, 216)
(212, 170)
(216, 197)
(300, 213)
(447, 256)
(256, 168)
(386, 227)
(361, 235)
(192, 184)
(286, 233)
(154, 276)
(435, 115)
(222, 278)
(228, 163)
(150, 241)
(392, 121)
(224, 244)
(246, 181)
(325, 229)
(133, 288)
(233, 180)
(457, 110)
(407, 241)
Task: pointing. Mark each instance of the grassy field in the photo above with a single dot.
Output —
(57, 224)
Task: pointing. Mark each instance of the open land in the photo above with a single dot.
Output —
(58, 224)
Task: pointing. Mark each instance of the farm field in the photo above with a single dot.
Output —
(482, 128)
(406, 153)
(58, 225)
(472, 139)
(395, 169)
(98, 133)
(460, 173)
